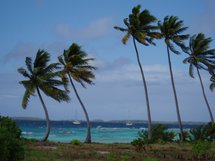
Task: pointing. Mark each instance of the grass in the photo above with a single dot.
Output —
(51, 151)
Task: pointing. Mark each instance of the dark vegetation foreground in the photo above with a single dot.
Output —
(75, 151)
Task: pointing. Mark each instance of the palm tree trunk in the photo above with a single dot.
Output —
(175, 96)
(47, 117)
(206, 101)
(146, 92)
(88, 137)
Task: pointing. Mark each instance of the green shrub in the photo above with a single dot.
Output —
(138, 144)
(11, 148)
(111, 157)
(75, 142)
(151, 159)
(203, 133)
(186, 136)
(159, 135)
(201, 148)
(124, 158)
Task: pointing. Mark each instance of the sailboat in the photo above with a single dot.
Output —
(129, 123)
(76, 122)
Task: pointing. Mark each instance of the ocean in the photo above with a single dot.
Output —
(101, 132)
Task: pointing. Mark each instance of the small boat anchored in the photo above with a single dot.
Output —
(129, 124)
(76, 122)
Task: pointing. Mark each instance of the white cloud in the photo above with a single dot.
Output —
(122, 70)
(20, 51)
(94, 29)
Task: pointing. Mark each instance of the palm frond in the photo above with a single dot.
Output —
(126, 37)
(60, 59)
(30, 90)
(51, 68)
(24, 72)
(28, 62)
(42, 58)
(191, 70)
(55, 93)
(212, 86)
(171, 29)
(172, 48)
(120, 28)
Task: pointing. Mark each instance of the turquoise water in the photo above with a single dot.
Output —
(101, 132)
(99, 135)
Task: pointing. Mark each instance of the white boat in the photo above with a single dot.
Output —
(76, 122)
(129, 124)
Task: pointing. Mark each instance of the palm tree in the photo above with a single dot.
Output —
(171, 29)
(201, 57)
(76, 68)
(42, 76)
(139, 26)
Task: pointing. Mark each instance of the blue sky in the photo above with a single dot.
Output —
(29, 25)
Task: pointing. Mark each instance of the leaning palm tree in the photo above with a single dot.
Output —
(42, 76)
(139, 26)
(201, 57)
(76, 68)
(171, 29)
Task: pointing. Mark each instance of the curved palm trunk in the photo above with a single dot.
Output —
(175, 96)
(88, 137)
(206, 101)
(47, 118)
(146, 93)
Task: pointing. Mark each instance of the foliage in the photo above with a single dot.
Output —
(171, 29)
(138, 144)
(186, 136)
(200, 56)
(76, 64)
(42, 76)
(110, 157)
(151, 159)
(75, 142)
(11, 148)
(201, 148)
(159, 135)
(140, 26)
(212, 79)
(203, 133)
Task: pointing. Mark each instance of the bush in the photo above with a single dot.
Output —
(75, 142)
(138, 144)
(11, 148)
(203, 133)
(201, 148)
(159, 135)
(151, 159)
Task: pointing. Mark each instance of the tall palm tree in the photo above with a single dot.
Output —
(171, 29)
(201, 57)
(76, 68)
(42, 76)
(139, 26)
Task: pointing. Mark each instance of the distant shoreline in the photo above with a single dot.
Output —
(111, 121)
